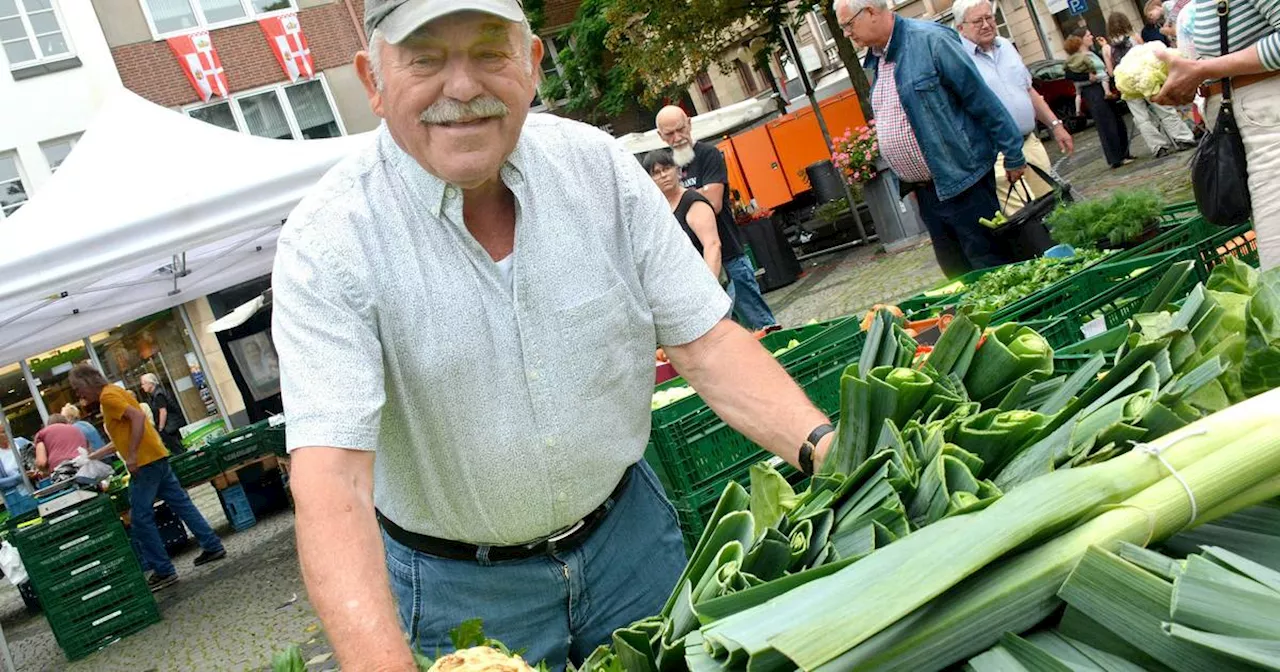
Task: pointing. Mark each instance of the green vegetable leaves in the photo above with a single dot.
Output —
(1116, 220)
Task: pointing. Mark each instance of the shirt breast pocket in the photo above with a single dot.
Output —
(599, 335)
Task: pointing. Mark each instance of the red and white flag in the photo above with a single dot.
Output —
(284, 34)
(200, 61)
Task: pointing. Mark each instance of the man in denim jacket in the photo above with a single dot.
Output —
(939, 128)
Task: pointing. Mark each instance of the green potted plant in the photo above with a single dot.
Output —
(1124, 219)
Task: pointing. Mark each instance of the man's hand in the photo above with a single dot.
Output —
(1065, 142)
(1185, 77)
(131, 465)
(1014, 174)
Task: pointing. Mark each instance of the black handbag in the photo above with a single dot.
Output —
(1219, 169)
(1024, 235)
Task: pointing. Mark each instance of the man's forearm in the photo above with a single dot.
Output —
(136, 431)
(343, 565)
(712, 257)
(747, 387)
(1235, 64)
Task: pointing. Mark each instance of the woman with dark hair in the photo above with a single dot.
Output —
(1161, 127)
(1111, 128)
(691, 209)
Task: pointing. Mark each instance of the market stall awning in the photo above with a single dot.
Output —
(151, 210)
(708, 125)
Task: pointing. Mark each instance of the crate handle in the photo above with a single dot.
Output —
(70, 514)
(74, 542)
(90, 596)
(86, 568)
(106, 618)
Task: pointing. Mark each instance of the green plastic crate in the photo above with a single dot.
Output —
(238, 446)
(119, 626)
(95, 586)
(93, 517)
(82, 630)
(694, 509)
(691, 448)
(195, 466)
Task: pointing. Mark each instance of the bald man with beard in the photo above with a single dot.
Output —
(703, 169)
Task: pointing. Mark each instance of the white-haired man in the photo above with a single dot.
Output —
(1002, 69)
(465, 314)
(166, 413)
(940, 128)
(702, 168)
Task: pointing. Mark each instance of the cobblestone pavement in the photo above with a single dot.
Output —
(234, 614)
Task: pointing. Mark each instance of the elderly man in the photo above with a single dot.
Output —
(166, 413)
(466, 313)
(940, 128)
(1002, 69)
(703, 168)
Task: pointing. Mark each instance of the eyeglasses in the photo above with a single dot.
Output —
(847, 26)
(986, 19)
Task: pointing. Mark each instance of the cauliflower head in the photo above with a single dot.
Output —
(1142, 74)
(480, 659)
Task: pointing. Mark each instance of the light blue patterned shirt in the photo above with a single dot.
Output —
(500, 412)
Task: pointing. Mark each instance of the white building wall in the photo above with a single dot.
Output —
(57, 104)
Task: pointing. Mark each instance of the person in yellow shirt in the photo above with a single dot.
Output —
(139, 445)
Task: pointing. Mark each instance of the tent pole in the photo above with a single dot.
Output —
(204, 366)
(7, 659)
(93, 355)
(35, 391)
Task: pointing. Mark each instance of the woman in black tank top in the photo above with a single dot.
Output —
(691, 209)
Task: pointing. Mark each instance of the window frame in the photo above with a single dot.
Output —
(549, 45)
(250, 15)
(40, 59)
(72, 140)
(23, 179)
(283, 98)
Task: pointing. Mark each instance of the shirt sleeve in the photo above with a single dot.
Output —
(112, 403)
(685, 299)
(713, 169)
(325, 334)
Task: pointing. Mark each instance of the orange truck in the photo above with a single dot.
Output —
(767, 163)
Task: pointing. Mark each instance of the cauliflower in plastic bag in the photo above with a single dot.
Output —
(1142, 74)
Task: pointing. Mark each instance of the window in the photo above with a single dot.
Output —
(56, 151)
(824, 31)
(175, 16)
(12, 193)
(30, 32)
(747, 80)
(301, 111)
(708, 90)
(550, 68)
(1002, 24)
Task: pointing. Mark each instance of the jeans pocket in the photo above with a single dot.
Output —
(643, 472)
(403, 577)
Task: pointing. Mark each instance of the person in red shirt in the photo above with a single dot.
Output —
(58, 442)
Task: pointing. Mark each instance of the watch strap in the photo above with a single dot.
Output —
(810, 444)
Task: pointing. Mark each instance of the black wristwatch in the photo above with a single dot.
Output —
(810, 444)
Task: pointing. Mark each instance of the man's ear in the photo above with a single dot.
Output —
(536, 50)
(369, 79)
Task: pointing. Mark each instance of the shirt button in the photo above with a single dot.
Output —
(562, 497)
(450, 192)
(533, 374)
(551, 443)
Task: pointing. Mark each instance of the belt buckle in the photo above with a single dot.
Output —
(568, 532)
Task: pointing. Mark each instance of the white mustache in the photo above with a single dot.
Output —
(449, 111)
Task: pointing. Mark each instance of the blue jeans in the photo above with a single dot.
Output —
(156, 480)
(559, 606)
(960, 242)
(748, 303)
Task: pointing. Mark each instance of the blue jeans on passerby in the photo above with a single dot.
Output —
(558, 606)
(748, 303)
(156, 481)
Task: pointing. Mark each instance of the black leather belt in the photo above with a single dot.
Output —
(563, 540)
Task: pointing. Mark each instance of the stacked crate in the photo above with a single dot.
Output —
(86, 576)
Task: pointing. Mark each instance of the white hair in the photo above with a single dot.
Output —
(960, 10)
(151, 379)
(377, 41)
(855, 6)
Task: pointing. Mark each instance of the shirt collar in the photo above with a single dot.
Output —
(971, 47)
(434, 191)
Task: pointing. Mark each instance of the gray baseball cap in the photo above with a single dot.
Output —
(399, 18)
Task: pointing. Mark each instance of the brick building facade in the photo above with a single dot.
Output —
(136, 31)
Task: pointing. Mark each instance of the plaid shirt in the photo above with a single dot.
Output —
(897, 139)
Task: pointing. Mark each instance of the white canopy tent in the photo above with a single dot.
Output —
(705, 125)
(151, 210)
